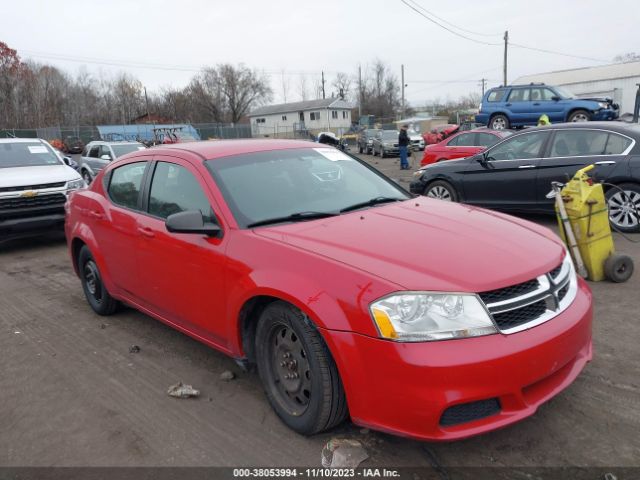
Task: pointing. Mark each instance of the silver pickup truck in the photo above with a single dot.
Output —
(34, 185)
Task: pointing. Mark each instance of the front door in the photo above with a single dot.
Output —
(183, 275)
(543, 104)
(507, 179)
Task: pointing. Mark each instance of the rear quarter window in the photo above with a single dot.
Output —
(496, 96)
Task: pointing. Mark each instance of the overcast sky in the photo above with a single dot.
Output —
(178, 37)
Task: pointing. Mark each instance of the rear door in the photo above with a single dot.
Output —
(507, 180)
(519, 105)
(105, 156)
(571, 149)
(462, 145)
(92, 158)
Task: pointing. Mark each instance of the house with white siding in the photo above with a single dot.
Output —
(617, 81)
(313, 116)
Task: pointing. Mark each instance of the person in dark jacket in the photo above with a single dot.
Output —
(403, 145)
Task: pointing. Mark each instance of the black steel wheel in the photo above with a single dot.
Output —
(298, 374)
(94, 290)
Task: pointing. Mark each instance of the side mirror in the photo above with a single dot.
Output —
(105, 157)
(67, 160)
(555, 98)
(190, 222)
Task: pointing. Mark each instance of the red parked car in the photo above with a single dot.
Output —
(311, 265)
(439, 133)
(463, 144)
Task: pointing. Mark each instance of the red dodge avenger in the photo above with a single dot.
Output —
(312, 266)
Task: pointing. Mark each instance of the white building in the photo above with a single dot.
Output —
(329, 114)
(617, 81)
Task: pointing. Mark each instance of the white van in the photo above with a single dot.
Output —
(34, 185)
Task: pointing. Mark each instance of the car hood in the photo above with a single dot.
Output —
(23, 176)
(428, 244)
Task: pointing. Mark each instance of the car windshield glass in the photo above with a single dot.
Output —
(281, 183)
(123, 149)
(27, 154)
(564, 93)
(371, 133)
(389, 135)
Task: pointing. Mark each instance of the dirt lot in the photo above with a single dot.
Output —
(73, 395)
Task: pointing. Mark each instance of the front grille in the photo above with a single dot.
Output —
(467, 412)
(33, 187)
(519, 316)
(563, 292)
(32, 202)
(501, 294)
(556, 271)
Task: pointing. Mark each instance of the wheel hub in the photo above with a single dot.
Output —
(90, 277)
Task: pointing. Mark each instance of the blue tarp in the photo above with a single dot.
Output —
(142, 132)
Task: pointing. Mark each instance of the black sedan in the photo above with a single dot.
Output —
(516, 174)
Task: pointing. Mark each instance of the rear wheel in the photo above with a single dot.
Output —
(97, 295)
(298, 374)
(499, 122)
(360, 149)
(442, 191)
(579, 116)
(624, 207)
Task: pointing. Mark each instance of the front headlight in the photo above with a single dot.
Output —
(387, 144)
(603, 105)
(428, 316)
(76, 184)
(369, 141)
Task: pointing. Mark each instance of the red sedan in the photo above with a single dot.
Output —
(463, 144)
(439, 133)
(310, 265)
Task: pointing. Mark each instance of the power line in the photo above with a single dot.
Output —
(455, 26)
(558, 53)
(447, 28)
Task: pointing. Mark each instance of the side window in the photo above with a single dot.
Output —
(523, 146)
(519, 95)
(105, 150)
(94, 152)
(547, 94)
(124, 187)
(569, 143)
(463, 140)
(174, 189)
(616, 144)
(486, 139)
(495, 96)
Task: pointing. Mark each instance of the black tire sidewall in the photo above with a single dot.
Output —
(452, 191)
(613, 263)
(507, 123)
(100, 307)
(574, 113)
(280, 314)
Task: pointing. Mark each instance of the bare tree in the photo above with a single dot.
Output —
(242, 88)
(303, 89)
(342, 84)
(285, 83)
(380, 92)
(627, 57)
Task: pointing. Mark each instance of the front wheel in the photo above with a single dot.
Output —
(442, 191)
(624, 207)
(298, 374)
(579, 116)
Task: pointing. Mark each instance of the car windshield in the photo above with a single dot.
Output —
(371, 133)
(390, 135)
(27, 154)
(123, 149)
(564, 93)
(281, 183)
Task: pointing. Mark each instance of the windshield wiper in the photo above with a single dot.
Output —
(371, 203)
(294, 217)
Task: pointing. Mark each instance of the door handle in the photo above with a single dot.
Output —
(605, 162)
(536, 103)
(507, 104)
(147, 232)
(96, 215)
(527, 166)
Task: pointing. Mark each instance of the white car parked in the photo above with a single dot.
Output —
(34, 185)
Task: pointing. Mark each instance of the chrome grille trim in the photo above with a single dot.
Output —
(548, 291)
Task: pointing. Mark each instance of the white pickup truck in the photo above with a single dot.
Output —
(34, 185)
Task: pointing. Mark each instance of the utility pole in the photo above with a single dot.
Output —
(506, 42)
(359, 92)
(323, 85)
(146, 100)
(402, 80)
(483, 82)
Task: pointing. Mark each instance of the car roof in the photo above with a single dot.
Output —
(616, 126)
(20, 140)
(212, 149)
(113, 142)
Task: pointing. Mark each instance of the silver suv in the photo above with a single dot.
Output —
(97, 155)
(34, 184)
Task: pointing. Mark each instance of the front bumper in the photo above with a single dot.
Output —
(605, 114)
(406, 388)
(417, 185)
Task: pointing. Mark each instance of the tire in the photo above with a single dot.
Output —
(373, 151)
(97, 295)
(579, 116)
(360, 149)
(618, 268)
(286, 343)
(382, 155)
(499, 122)
(86, 176)
(623, 202)
(442, 191)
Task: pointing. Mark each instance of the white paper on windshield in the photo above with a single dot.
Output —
(38, 149)
(332, 154)
(142, 148)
